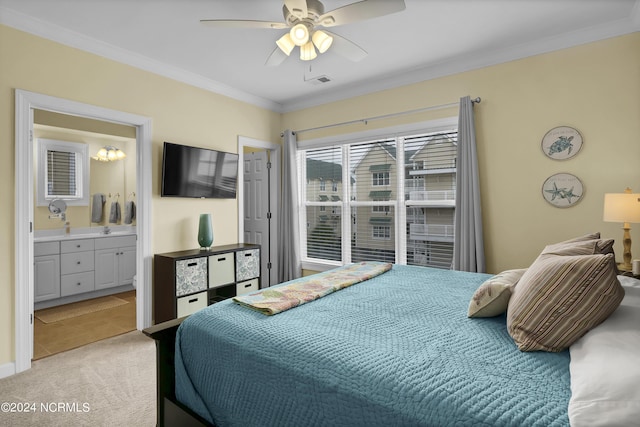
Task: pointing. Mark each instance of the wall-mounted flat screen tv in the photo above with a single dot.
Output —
(198, 172)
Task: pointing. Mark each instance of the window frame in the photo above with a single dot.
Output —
(81, 151)
(399, 205)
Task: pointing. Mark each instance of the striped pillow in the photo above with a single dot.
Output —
(560, 298)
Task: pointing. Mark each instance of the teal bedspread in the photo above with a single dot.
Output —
(395, 350)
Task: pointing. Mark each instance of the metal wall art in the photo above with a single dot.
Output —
(561, 143)
(562, 190)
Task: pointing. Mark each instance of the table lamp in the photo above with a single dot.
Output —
(625, 208)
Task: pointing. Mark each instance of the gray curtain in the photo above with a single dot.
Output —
(468, 246)
(290, 266)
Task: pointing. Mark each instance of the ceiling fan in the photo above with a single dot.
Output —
(303, 17)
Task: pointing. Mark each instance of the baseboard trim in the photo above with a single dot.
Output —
(7, 370)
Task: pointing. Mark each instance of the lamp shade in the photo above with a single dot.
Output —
(286, 44)
(299, 34)
(322, 40)
(622, 207)
(308, 52)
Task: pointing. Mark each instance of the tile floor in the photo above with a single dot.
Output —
(52, 338)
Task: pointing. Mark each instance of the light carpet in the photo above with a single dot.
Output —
(67, 311)
(107, 383)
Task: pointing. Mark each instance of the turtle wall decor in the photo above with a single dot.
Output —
(562, 143)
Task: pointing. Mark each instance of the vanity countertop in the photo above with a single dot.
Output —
(82, 233)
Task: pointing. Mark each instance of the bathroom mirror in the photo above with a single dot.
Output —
(57, 207)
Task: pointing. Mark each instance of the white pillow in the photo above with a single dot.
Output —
(605, 367)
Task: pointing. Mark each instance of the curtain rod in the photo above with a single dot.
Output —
(386, 116)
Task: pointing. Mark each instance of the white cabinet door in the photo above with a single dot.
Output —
(47, 277)
(115, 267)
(106, 268)
(127, 265)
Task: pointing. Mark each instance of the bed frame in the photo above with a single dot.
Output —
(169, 411)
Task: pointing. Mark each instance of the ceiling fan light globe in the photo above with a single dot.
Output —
(322, 40)
(308, 52)
(286, 44)
(299, 34)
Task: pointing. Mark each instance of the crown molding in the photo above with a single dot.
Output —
(66, 37)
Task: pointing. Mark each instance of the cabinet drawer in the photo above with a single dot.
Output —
(191, 303)
(81, 245)
(78, 283)
(191, 275)
(46, 248)
(247, 287)
(76, 262)
(115, 242)
(221, 269)
(247, 264)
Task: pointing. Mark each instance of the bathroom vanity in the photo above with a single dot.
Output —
(75, 267)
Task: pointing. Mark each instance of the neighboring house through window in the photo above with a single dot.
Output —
(397, 204)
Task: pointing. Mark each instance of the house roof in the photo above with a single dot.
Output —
(319, 169)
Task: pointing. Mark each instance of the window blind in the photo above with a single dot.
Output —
(61, 173)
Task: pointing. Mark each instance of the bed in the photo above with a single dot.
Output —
(398, 349)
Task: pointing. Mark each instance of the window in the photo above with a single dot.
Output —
(399, 193)
(380, 178)
(63, 172)
(334, 186)
(381, 232)
(323, 185)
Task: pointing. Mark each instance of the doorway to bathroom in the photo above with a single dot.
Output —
(26, 104)
(84, 253)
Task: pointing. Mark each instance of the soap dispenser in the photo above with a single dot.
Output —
(67, 228)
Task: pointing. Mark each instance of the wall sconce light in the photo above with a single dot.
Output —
(109, 153)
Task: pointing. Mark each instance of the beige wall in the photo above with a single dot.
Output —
(594, 88)
(180, 113)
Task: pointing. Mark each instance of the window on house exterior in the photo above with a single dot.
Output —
(323, 185)
(399, 194)
(334, 186)
(381, 232)
(380, 178)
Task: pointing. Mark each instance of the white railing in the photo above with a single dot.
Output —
(436, 232)
(432, 195)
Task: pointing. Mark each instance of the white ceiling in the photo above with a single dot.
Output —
(430, 38)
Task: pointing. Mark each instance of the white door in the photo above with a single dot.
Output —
(257, 228)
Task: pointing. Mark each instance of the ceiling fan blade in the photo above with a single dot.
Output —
(346, 48)
(297, 8)
(365, 9)
(277, 57)
(238, 23)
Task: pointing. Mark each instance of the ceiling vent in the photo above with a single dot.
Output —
(318, 80)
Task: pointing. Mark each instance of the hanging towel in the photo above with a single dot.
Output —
(97, 207)
(114, 215)
(129, 212)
